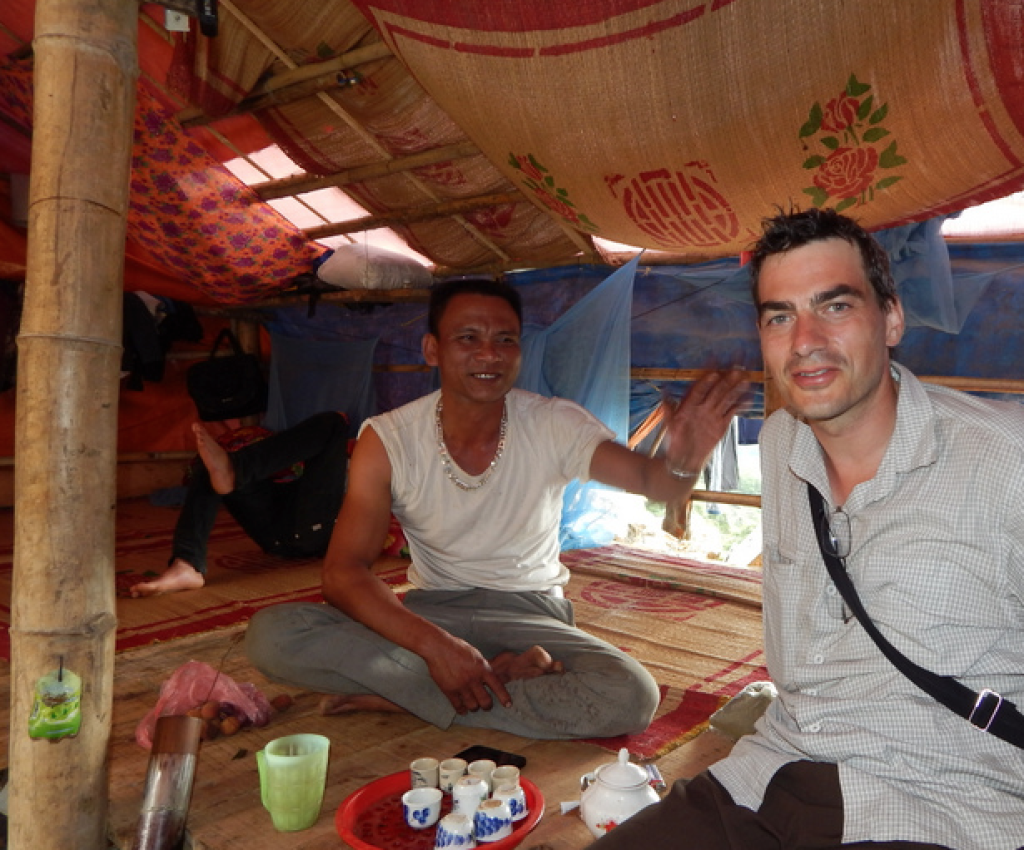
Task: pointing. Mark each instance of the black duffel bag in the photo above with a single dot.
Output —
(230, 386)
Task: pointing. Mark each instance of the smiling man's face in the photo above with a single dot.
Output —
(824, 336)
(476, 350)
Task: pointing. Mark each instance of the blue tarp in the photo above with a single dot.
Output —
(584, 356)
(963, 306)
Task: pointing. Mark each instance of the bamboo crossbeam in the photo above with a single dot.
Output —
(656, 374)
(1009, 386)
(299, 184)
(410, 215)
(128, 457)
(354, 296)
(369, 139)
(748, 500)
(293, 84)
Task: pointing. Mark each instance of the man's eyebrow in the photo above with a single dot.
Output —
(478, 328)
(839, 291)
(774, 306)
(819, 298)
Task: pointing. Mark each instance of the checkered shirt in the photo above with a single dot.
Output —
(937, 557)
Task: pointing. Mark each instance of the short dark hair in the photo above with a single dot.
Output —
(442, 293)
(785, 231)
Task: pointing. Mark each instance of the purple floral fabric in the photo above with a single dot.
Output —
(191, 214)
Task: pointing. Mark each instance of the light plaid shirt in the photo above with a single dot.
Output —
(937, 557)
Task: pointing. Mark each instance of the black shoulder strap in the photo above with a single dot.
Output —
(987, 710)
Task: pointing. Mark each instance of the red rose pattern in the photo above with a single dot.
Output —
(535, 177)
(840, 113)
(847, 172)
(556, 205)
(528, 168)
(849, 148)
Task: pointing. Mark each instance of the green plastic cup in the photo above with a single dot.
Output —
(293, 774)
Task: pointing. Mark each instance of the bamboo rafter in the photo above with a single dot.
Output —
(294, 84)
(442, 209)
(302, 183)
(369, 139)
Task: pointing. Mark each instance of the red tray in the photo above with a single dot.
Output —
(371, 818)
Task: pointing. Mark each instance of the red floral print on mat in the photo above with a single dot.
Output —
(674, 606)
(493, 221)
(538, 180)
(677, 207)
(856, 146)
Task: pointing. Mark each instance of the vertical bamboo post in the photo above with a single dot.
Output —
(62, 611)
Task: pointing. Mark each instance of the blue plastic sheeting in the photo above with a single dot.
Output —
(584, 356)
(920, 265)
(701, 316)
(692, 317)
(308, 376)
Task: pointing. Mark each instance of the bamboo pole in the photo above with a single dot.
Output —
(62, 610)
(298, 184)
(411, 215)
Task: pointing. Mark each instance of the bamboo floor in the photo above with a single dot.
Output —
(696, 629)
(226, 812)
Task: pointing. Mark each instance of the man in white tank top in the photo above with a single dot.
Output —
(475, 474)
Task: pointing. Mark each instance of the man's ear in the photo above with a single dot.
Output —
(429, 345)
(895, 324)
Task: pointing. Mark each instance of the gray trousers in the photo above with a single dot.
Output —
(602, 693)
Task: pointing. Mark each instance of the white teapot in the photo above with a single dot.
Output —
(614, 792)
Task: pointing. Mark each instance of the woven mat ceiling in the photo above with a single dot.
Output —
(507, 134)
(670, 125)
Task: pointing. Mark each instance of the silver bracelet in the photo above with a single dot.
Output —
(680, 473)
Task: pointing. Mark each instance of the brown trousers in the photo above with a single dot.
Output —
(802, 809)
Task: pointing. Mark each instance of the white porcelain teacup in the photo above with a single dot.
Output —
(467, 794)
(423, 773)
(482, 768)
(450, 772)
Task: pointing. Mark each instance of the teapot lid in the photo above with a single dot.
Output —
(622, 773)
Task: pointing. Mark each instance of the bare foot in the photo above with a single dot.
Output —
(180, 575)
(527, 665)
(215, 459)
(347, 703)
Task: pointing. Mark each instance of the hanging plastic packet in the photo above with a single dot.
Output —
(57, 705)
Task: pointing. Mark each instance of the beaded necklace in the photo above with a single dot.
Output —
(446, 459)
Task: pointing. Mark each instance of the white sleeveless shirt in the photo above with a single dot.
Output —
(504, 535)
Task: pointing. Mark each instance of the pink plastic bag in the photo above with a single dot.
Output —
(194, 683)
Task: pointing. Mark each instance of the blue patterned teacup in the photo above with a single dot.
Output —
(516, 799)
(492, 821)
(454, 831)
(421, 807)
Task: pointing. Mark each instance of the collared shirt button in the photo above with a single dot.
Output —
(814, 727)
(818, 659)
(811, 692)
(831, 590)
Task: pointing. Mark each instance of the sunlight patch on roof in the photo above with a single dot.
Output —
(1000, 220)
(316, 208)
(275, 162)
